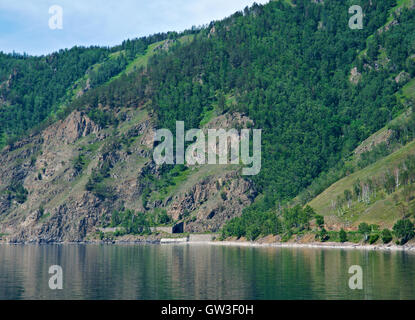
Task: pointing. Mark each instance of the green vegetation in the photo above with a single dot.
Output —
(34, 87)
(137, 223)
(142, 59)
(319, 221)
(132, 222)
(17, 192)
(96, 183)
(254, 223)
(402, 132)
(384, 191)
(161, 218)
(34, 91)
(366, 234)
(365, 230)
(162, 186)
(323, 235)
(386, 236)
(285, 65)
(373, 238)
(343, 235)
(404, 230)
(188, 78)
(79, 163)
(275, 86)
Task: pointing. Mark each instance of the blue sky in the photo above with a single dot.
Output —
(24, 24)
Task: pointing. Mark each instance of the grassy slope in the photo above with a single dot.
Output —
(142, 60)
(408, 90)
(128, 171)
(382, 210)
(137, 63)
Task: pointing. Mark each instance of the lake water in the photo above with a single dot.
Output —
(190, 271)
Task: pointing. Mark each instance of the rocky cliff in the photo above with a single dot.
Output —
(45, 179)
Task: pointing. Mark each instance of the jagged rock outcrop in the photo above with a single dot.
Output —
(56, 200)
(75, 126)
(402, 77)
(355, 76)
(373, 141)
(213, 201)
(69, 222)
(42, 165)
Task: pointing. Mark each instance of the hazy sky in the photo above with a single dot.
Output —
(24, 24)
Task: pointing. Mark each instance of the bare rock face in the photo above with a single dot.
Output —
(17, 161)
(147, 133)
(54, 167)
(212, 32)
(227, 121)
(213, 201)
(355, 76)
(42, 165)
(402, 77)
(75, 126)
(69, 222)
(373, 141)
(165, 46)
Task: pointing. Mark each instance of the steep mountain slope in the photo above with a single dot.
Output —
(316, 88)
(33, 90)
(386, 155)
(76, 174)
(381, 193)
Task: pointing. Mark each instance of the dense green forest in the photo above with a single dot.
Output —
(35, 89)
(287, 67)
(288, 70)
(32, 87)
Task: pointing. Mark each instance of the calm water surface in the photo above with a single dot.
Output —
(202, 272)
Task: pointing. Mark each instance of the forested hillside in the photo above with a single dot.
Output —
(315, 87)
(288, 69)
(35, 89)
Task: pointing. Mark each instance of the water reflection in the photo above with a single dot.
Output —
(202, 272)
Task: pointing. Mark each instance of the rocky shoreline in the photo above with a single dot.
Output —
(318, 245)
(242, 243)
